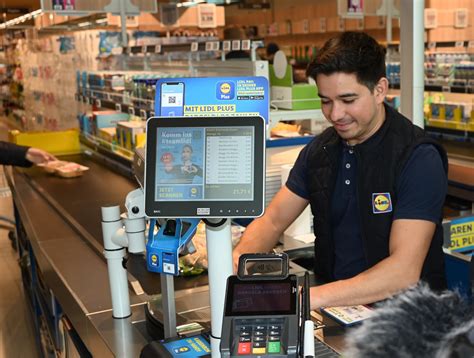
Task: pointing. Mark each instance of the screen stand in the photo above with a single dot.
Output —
(168, 305)
(219, 258)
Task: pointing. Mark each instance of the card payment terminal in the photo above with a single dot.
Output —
(261, 316)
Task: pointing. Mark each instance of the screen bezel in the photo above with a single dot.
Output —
(217, 209)
(232, 280)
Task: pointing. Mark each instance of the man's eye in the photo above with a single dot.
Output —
(348, 101)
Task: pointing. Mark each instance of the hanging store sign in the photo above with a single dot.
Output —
(207, 16)
(460, 18)
(431, 18)
(74, 7)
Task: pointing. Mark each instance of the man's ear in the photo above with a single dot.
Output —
(381, 90)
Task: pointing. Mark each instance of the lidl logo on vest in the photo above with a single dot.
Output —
(381, 203)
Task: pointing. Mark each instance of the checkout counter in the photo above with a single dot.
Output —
(60, 232)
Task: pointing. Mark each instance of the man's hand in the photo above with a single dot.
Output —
(38, 156)
(263, 233)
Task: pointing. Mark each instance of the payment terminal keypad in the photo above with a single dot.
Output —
(258, 336)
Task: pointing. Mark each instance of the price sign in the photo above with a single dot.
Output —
(470, 44)
(98, 103)
(226, 45)
(144, 49)
(208, 46)
(305, 26)
(432, 45)
(194, 47)
(215, 46)
(459, 44)
(446, 89)
(157, 48)
(246, 45)
(143, 114)
(322, 24)
(131, 111)
(235, 45)
(118, 107)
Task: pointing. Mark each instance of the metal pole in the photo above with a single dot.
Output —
(123, 23)
(168, 305)
(412, 60)
(219, 253)
(111, 223)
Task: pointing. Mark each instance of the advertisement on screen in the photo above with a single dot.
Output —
(212, 97)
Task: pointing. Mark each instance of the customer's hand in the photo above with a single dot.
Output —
(38, 156)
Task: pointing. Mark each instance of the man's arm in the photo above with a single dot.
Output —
(409, 244)
(263, 233)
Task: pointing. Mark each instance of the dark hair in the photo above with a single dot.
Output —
(187, 146)
(351, 52)
(272, 48)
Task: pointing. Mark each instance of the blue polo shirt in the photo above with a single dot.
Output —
(420, 192)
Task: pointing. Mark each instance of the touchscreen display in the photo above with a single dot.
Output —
(261, 298)
(204, 163)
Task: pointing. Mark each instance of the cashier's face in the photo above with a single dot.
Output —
(354, 110)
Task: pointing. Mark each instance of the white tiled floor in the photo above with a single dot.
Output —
(16, 326)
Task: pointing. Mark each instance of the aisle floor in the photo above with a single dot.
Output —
(17, 337)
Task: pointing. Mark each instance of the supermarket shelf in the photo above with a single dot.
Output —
(439, 88)
(278, 115)
(287, 142)
(104, 101)
(452, 134)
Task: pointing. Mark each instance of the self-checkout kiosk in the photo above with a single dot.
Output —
(222, 179)
(226, 180)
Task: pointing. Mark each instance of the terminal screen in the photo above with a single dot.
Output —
(205, 167)
(260, 297)
(204, 163)
(257, 297)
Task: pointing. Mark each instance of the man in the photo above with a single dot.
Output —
(375, 183)
(23, 156)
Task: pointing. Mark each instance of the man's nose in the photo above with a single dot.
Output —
(337, 111)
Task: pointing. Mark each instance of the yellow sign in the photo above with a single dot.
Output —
(462, 234)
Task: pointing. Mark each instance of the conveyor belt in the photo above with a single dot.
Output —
(82, 197)
(78, 201)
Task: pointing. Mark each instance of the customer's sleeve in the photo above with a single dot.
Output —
(12, 154)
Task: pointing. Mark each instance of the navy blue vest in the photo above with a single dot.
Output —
(379, 166)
